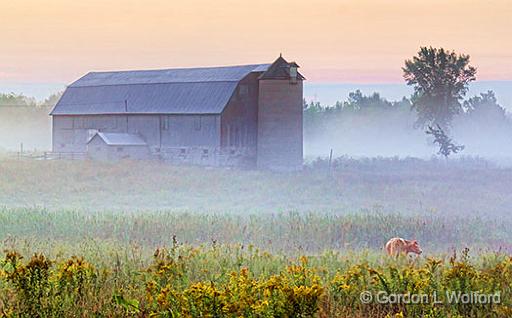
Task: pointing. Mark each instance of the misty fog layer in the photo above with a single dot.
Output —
(369, 126)
(379, 133)
(25, 126)
(409, 186)
(366, 133)
(25, 123)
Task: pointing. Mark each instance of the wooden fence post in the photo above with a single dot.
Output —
(330, 160)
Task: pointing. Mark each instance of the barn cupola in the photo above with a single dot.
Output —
(293, 71)
(280, 117)
(281, 69)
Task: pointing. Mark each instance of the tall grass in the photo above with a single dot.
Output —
(291, 233)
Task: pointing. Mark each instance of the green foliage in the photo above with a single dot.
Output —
(356, 101)
(446, 146)
(52, 100)
(130, 305)
(440, 79)
(15, 100)
(484, 110)
(314, 286)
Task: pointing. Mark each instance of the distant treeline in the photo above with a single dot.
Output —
(482, 108)
(20, 100)
(369, 125)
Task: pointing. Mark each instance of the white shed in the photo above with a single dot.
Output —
(117, 146)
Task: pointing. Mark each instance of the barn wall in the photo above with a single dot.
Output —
(62, 134)
(147, 126)
(239, 124)
(280, 125)
(190, 130)
(71, 133)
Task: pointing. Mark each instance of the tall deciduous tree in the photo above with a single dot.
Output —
(440, 79)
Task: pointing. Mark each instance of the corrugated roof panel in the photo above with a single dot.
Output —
(171, 98)
(180, 75)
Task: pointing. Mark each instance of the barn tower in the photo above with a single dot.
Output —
(279, 144)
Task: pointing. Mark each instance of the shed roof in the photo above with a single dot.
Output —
(120, 139)
(204, 90)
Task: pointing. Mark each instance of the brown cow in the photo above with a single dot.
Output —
(397, 246)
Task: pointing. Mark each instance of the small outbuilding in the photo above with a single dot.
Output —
(117, 146)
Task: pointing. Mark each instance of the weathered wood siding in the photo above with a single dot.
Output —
(280, 125)
(239, 124)
(190, 130)
(71, 133)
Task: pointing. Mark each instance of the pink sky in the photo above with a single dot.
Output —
(358, 41)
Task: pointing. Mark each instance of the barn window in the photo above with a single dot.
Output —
(231, 134)
(165, 123)
(237, 137)
(293, 72)
(244, 136)
(197, 123)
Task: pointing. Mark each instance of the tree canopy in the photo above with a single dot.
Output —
(440, 79)
(485, 107)
(12, 100)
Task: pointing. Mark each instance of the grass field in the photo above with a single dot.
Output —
(235, 243)
(460, 187)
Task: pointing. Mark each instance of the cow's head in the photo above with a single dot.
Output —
(413, 247)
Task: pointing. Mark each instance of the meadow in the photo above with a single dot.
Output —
(244, 281)
(84, 239)
(409, 186)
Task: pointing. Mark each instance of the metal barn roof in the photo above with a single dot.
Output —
(168, 98)
(177, 75)
(173, 91)
(120, 139)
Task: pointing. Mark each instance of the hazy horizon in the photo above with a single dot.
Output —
(327, 93)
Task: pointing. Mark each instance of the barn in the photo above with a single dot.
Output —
(248, 115)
